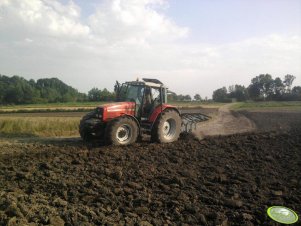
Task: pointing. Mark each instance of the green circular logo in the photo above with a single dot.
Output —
(282, 214)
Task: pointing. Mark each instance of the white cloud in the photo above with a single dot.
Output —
(28, 40)
(42, 17)
(124, 39)
(133, 22)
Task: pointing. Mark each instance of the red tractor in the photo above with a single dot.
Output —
(140, 107)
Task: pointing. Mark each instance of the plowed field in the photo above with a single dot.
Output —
(229, 180)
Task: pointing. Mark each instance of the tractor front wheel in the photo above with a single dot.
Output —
(167, 128)
(121, 131)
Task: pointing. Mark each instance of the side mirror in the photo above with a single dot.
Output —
(117, 87)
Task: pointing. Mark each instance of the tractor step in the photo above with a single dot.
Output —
(146, 126)
(190, 120)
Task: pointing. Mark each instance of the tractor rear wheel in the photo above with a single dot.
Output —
(121, 131)
(167, 128)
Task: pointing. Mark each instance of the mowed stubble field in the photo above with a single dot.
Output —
(222, 180)
(61, 120)
(58, 120)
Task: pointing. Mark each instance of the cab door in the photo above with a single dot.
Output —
(151, 100)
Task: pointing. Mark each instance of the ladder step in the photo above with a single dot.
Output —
(145, 126)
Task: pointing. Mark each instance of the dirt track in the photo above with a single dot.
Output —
(222, 180)
(224, 123)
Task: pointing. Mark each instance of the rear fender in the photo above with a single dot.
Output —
(158, 110)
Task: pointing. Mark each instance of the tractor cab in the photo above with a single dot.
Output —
(147, 96)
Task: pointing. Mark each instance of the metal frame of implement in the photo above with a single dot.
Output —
(190, 120)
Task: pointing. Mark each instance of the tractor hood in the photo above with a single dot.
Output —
(116, 109)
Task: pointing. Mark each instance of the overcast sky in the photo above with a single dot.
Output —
(193, 46)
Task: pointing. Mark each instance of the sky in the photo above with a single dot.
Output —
(192, 46)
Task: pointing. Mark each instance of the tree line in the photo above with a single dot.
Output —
(262, 88)
(172, 96)
(96, 94)
(17, 90)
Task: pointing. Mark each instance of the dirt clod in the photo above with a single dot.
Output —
(233, 203)
(56, 221)
(60, 202)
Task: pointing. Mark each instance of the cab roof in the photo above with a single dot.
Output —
(148, 82)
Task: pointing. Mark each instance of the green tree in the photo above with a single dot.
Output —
(180, 97)
(106, 95)
(254, 91)
(12, 96)
(261, 87)
(240, 93)
(94, 94)
(17, 90)
(288, 81)
(3, 90)
(187, 98)
(296, 93)
(197, 97)
(14, 93)
(220, 95)
(279, 89)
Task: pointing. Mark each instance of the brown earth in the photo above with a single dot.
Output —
(226, 121)
(274, 120)
(220, 180)
(229, 180)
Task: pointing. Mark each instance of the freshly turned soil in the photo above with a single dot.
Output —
(276, 121)
(229, 180)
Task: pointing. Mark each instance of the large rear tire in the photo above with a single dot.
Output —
(121, 131)
(167, 128)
